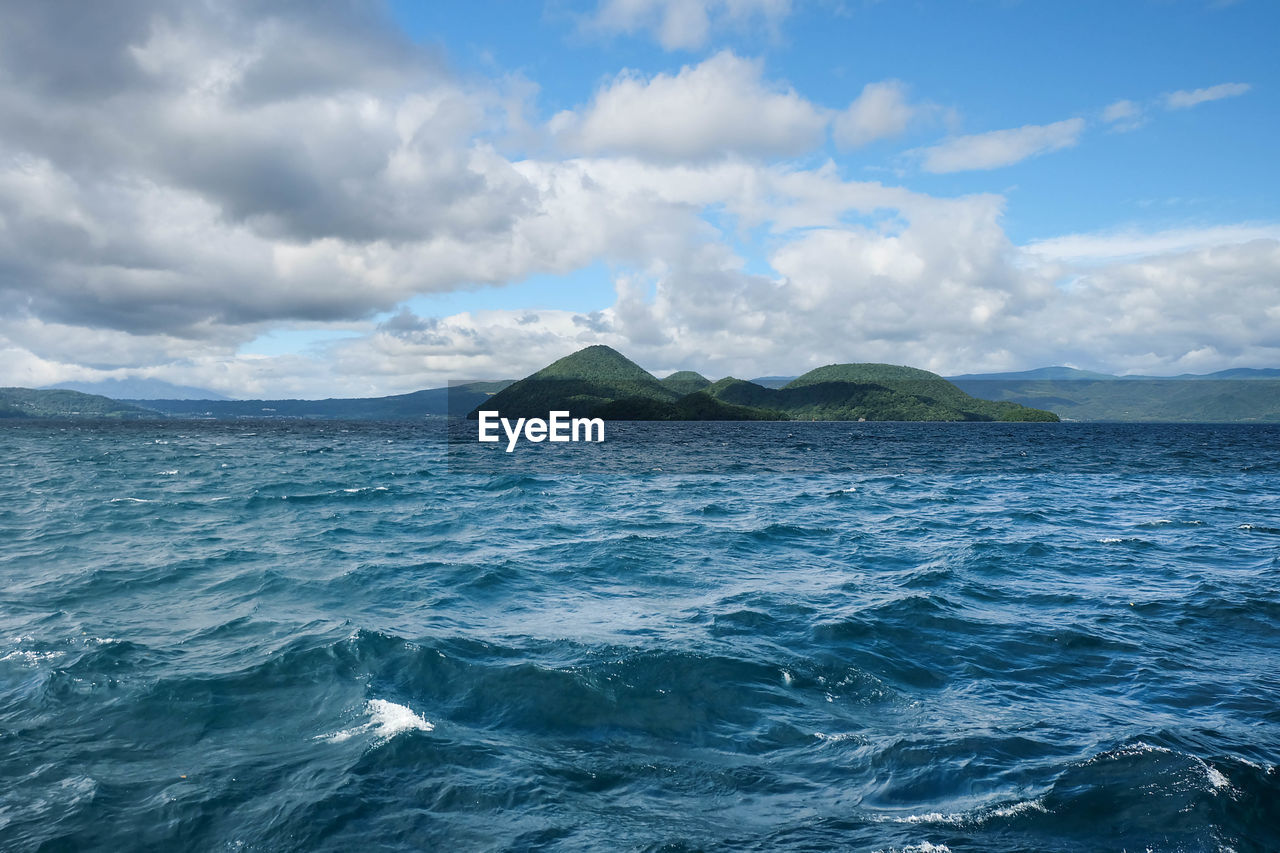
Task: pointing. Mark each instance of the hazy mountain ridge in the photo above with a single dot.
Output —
(454, 401)
(62, 403)
(1235, 395)
(138, 389)
(1180, 400)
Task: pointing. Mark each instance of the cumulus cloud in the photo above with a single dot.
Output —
(1187, 98)
(177, 180)
(1132, 243)
(944, 289)
(721, 106)
(998, 148)
(880, 111)
(684, 24)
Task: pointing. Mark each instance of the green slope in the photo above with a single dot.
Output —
(57, 403)
(583, 384)
(874, 392)
(930, 396)
(686, 382)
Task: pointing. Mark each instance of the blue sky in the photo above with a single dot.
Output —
(997, 64)
(304, 200)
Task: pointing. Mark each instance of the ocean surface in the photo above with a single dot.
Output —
(267, 635)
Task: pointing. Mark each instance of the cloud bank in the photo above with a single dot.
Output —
(178, 180)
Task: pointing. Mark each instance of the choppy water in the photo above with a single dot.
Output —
(320, 636)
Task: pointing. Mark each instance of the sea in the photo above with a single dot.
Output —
(273, 635)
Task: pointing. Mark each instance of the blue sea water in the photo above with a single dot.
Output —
(268, 635)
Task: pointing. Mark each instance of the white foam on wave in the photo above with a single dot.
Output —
(1018, 808)
(1136, 748)
(131, 500)
(837, 737)
(28, 657)
(1216, 778)
(922, 847)
(167, 473)
(977, 817)
(386, 720)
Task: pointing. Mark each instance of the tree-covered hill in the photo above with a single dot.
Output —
(932, 397)
(686, 382)
(582, 384)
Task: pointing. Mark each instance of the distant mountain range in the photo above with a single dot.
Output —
(138, 389)
(453, 401)
(1071, 373)
(601, 382)
(1238, 395)
(30, 403)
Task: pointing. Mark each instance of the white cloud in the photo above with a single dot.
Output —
(880, 111)
(718, 107)
(998, 148)
(1121, 111)
(202, 180)
(1186, 98)
(685, 24)
(1132, 244)
(1124, 115)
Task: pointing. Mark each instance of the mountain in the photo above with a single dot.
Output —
(686, 382)
(601, 382)
(582, 383)
(873, 392)
(454, 401)
(139, 389)
(60, 403)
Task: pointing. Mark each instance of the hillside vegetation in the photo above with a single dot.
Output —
(686, 382)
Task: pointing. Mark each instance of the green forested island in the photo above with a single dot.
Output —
(601, 382)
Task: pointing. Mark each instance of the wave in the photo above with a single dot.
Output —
(386, 720)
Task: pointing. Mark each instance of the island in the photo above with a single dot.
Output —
(600, 382)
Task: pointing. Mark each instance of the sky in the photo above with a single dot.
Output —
(315, 199)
